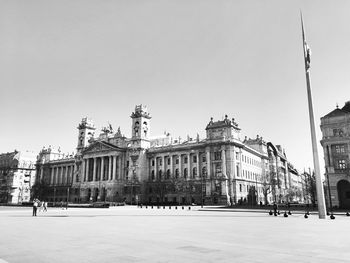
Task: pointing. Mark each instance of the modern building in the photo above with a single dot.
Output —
(17, 175)
(219, 169)
(335, 141)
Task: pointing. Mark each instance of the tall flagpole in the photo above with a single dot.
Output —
(319, 186)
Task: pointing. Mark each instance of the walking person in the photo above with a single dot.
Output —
(35, 206)
(45, 206)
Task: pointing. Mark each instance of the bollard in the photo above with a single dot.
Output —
(183, 208)
(270, 213)
(332, 216)
(140, 206)
(347, 214)
(278, 212)
(169, 207)
(146, 206)
(189, 208)
(289, 212)
(157, 206)
(175, 207)
(163, 207)
(306, 216)
(285, 214)
(152, 206)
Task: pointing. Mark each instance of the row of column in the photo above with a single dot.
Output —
(95, 168)
(62, 175)
(181, 165)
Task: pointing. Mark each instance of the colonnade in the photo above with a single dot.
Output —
(102, 168)
(62, 174)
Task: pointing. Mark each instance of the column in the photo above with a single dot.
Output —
(62, 176)
(94, 170)
(102, 168)
(87, 170)
(163, 167)
(121, 166)
(208, 164)
(189, 166)
(180, 166)
(114, 172)
(109, 168)
(171, 166)
(67, 175)
(156, 168)
(52, 175)
(224, 172)
(82, 170)
(197, 165)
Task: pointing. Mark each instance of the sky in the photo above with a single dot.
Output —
(187, 61)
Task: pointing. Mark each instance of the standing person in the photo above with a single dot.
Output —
(35, 206)
(41, 206)
(275, 207)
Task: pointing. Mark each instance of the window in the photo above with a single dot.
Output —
(340, 148)
(237, 170)
(169, 160)
(152, 174)
(217, 155)
(194, 159)
(194, 172)
(240, 187)
(177, 161)
(204, 158)
(127, 163)
(185, 159)
(160, 174)
(152, 162)
(237, 156)
(176, 173)
(160, 161)
(168, 174)
(341, 164)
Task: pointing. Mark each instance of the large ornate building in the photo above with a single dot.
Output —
(335, 128)
(220, 169)
(17, 175)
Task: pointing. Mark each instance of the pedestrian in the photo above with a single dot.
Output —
(35, 206)
(45, 206)
(61, 204)
(275, 207)
(42, 206)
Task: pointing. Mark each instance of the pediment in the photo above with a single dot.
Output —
(101, 147)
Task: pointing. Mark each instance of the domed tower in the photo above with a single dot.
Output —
(86, 131)
(140, 127)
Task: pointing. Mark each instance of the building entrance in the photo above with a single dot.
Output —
(344, 194)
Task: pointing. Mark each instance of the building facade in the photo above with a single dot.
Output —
(335, 127)
(17, 176)
(219, 169)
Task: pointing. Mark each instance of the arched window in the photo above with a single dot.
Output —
(168, 174)
(185, 173)
(176, 173)
(194, 172)
(152, 174)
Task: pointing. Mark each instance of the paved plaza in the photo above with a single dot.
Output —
(131, 234)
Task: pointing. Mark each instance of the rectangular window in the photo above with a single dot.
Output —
(237, 156)
(194, 159)
(152, 162)
(169, 160)
(177, 161)
(240, 188)
(204, 158)
(341, 164)
(217, 155)
(185, 160)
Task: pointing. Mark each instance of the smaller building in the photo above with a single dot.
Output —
(335, 128)
(17, 175)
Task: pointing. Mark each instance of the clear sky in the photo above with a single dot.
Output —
(186, 60)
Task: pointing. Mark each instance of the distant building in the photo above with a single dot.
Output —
(335, 128)
(220, 169)
(17, 175)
